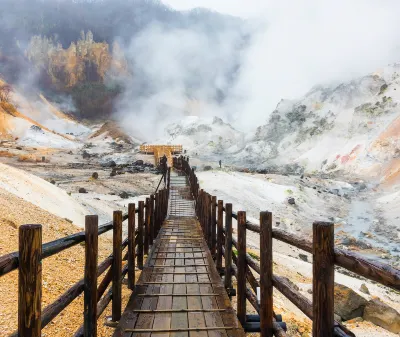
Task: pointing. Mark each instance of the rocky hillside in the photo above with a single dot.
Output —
(352, 128)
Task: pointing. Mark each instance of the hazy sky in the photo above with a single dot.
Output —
(242, 8)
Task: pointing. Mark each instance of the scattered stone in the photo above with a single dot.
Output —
(113, 173)
(19, 148)
(309, 291)
(207, 168)
(291, 201)
(36, 128)
(82, 190)
(124, 195)
(95, 175)
(52, 181)
(382, 315)
(348, 304)
(110, 163)
(85, 154)
(364, 289)
(303, 257)
(138, 163)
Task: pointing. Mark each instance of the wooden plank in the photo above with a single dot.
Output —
(163, 320)
(179, 320)
(90, 292)
(323, 279)
(30, 281)
(117, 266)
(145, 321)
(131, 246)
(266, 264)
(241, 267)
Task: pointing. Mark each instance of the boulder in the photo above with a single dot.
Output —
(348, 304)
(110, 163)
(95, 175)
(82, 190)
(52, 181)
(291, 201)
(364, 289)
(207, 168)
(124, 195)
(303, 257)
(85, 154)
(139, 162)
(382, 315)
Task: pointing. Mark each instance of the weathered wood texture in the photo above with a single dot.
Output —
(228, 246)
(30, 281)
(90, 289)
(266, 288)
(117, 266)
(179, 293)
(131, 246)
(241, 277)
(323, 279)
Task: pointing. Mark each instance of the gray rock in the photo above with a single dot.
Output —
(124, 195)
(303, 257)
(382, 315)
(95, 175)
(82, 190)
(291, 201)
(110, 163)
(364, 289)
(348, 304)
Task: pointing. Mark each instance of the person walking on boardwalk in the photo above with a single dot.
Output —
(164, 167)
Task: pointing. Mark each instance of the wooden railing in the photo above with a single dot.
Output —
(141, 233)
(149, 149)
(244, 267)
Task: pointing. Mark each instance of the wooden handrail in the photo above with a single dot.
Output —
(9, 262)
(95, 303)
(325, 258)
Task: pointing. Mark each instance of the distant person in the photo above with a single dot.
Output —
(164, 167)
(220, 164)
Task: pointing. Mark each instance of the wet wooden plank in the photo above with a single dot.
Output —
(163, 320)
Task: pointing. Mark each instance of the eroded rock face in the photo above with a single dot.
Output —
(382, 315)
(348, 304)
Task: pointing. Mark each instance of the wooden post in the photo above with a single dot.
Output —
(90, 290)
(30, 281)
(266, 264)
(213, 226)
(323, 279)
(117, 266)
(140, 235)
(220, 234)
(241, 267)
(147, 227)
(131, 246)
(228, 247)
(151, 238)
(155, 211)
(169, 178)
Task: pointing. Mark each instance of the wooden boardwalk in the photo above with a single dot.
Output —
(180, 292)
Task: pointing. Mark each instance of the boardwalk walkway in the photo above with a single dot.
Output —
(179, 293)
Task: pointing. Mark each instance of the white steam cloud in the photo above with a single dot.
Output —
(292, 46)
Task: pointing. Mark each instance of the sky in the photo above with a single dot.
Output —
(293, 46)
(241, 8)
